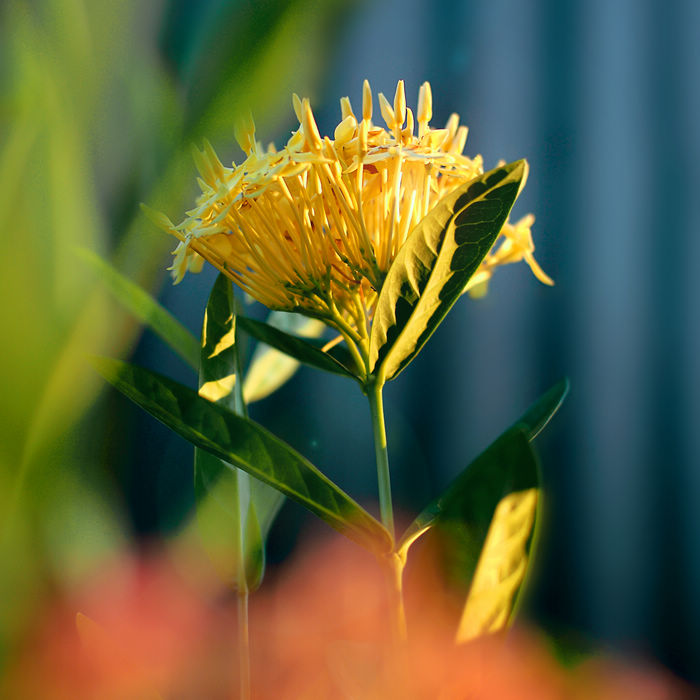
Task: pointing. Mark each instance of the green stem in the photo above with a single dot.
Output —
(394, 565)
(396, 583)
(243, 495)
(239, 405)
(243, 645)
(374, 393)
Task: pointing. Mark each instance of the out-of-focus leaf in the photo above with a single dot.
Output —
(302, 350)
(246, 445)
(227, 521)
(227, 512)
(270, 369)
(481, 530)
(142, 305)
(434, 265)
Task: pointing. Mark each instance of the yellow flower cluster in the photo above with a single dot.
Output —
(315, 226)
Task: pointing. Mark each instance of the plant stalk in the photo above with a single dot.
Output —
(243, 495)
(394, 566)
(243, 645)
(374, 393)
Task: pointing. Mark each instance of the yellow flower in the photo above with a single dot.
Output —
(315, 226)
(514, 243)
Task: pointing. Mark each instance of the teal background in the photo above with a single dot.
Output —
(99, 106)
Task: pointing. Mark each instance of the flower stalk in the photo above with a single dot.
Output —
(243, 494)
(394, 566)
(374, 393)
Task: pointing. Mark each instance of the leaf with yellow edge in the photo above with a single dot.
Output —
(481, 532)
(535, 418)
(483, 525)
(435, 263)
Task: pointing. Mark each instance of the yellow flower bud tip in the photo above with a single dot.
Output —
(425, 103)
(346, 108)
(436, 138)
(362, 136)
(452, 124)
(296, 141)
(366, 101)
(198, 160)
(387, 111)
(459, 140)
(345, 130)
(296, 103)
(158, 218)
(244, 132)
(313, 137)
(216, 165)
(409, 122)
(400, 104)
(539, 273)
(526, 222)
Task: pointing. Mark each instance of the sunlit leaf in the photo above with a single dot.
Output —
(434, 265)
(145, 308)
(488, 471)
(481, 532)
(502, 566)
(269, 368)
(304, 351)
(246, 445)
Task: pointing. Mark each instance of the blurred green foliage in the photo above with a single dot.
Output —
(99, 104)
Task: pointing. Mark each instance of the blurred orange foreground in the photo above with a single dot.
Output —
(158, 626)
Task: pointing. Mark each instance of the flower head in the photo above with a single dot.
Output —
(315, 226)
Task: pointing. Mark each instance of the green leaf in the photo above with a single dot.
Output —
(481, 531)
(246, 445)
(227, 521)
(145, 308)
(270, 369)
(229, 505)
(301, 350)
(435, 264)
(540, 413)
(502, 477)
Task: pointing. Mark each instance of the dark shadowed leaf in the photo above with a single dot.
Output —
(498, 491)
(433, 267)
(246, 445)
(304, 351)
(145, 308)
(480, 532)
(269, 368)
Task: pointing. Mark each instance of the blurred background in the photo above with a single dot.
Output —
(99, 105)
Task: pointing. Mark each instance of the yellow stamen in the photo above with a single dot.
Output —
(316, 225)
(366, 101)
